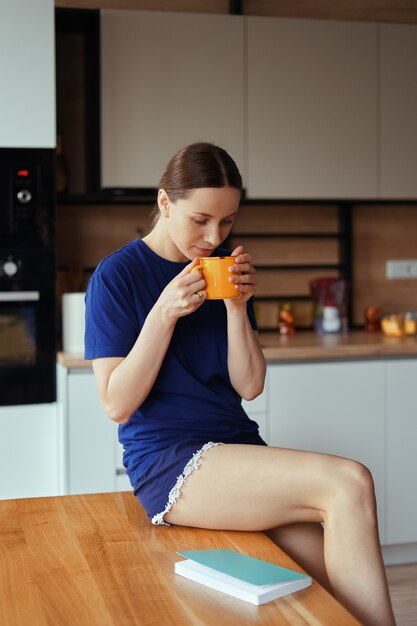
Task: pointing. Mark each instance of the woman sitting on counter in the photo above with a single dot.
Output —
(171, 368)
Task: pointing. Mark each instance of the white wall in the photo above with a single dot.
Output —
(27, 74)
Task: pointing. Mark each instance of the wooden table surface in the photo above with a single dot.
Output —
(96, 560)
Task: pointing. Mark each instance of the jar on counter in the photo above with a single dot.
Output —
(410, 323)
(393, 324)
(372, 319)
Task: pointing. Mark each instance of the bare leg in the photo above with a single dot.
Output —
(305, 544)
(258, 488)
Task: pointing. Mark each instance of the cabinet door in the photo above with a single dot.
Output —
(122, 479)
(398, 111)
(401, 451)
(91, 448)
(336, 408)
(312, 108)
(30, 455)
(168, 79)
(257, 410)
(27, 70)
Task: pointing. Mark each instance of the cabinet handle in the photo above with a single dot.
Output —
(19, 296)
(120, 471)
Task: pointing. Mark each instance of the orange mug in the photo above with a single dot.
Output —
(215, 271)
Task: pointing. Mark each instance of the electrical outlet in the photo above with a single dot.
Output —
(405, 268)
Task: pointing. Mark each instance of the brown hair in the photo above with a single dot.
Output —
(196, 166)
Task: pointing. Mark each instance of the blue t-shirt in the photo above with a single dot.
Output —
(192, 397)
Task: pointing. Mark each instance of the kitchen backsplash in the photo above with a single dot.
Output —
(383, 232)
(88, 232)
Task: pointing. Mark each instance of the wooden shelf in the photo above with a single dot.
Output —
(289, 235)
(286, 259)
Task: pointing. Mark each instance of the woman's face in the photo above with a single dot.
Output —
(197, 224)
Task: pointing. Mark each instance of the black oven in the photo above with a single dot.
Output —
(27, 276)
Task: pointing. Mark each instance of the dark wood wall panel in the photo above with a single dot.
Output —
(360, 10)
(194, 6)
(286, 218)
(281, 283)
(87, 233)
(404, 11)
(297, 251)
(382, 233)
(71, 112)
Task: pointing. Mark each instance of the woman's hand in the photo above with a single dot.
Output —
(184, 294)
(242, 275)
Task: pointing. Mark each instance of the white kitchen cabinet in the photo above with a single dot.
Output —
(312, 108)
(401, 464)
(122, 479)
(336, 408)
(93, 453)
(30, 453)
(168, 79)
(27, 70)
(398, 106)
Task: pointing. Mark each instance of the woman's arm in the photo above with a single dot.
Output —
(124, 383)
(246, 362)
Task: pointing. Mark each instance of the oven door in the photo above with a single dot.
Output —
(27, 346)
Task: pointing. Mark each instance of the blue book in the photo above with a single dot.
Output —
(240, 575)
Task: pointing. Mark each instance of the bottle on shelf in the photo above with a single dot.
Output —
(286, 319)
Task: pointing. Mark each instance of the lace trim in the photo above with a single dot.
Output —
(175, 492)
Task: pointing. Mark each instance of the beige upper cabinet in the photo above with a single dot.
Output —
(168, 79)
(398, 93)
(312, 108)
(27, 71)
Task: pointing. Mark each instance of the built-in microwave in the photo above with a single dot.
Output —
(27, 276)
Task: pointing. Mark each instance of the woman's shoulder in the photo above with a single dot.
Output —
(125, 259)
(119, 270)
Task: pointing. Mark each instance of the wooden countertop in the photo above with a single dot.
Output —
(353, 344)
(95, 560)
(305, 346)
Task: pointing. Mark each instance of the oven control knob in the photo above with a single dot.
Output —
(10, 268)
(24, 196)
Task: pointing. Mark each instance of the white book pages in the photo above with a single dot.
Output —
(255, 594)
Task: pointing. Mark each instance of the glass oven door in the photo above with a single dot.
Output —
(18, 328)
(27, 347)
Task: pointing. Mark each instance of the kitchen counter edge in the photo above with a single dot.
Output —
(309, 346)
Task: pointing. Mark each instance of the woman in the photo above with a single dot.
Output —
(171, 369)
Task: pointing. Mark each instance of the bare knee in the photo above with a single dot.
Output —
(355, 487)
